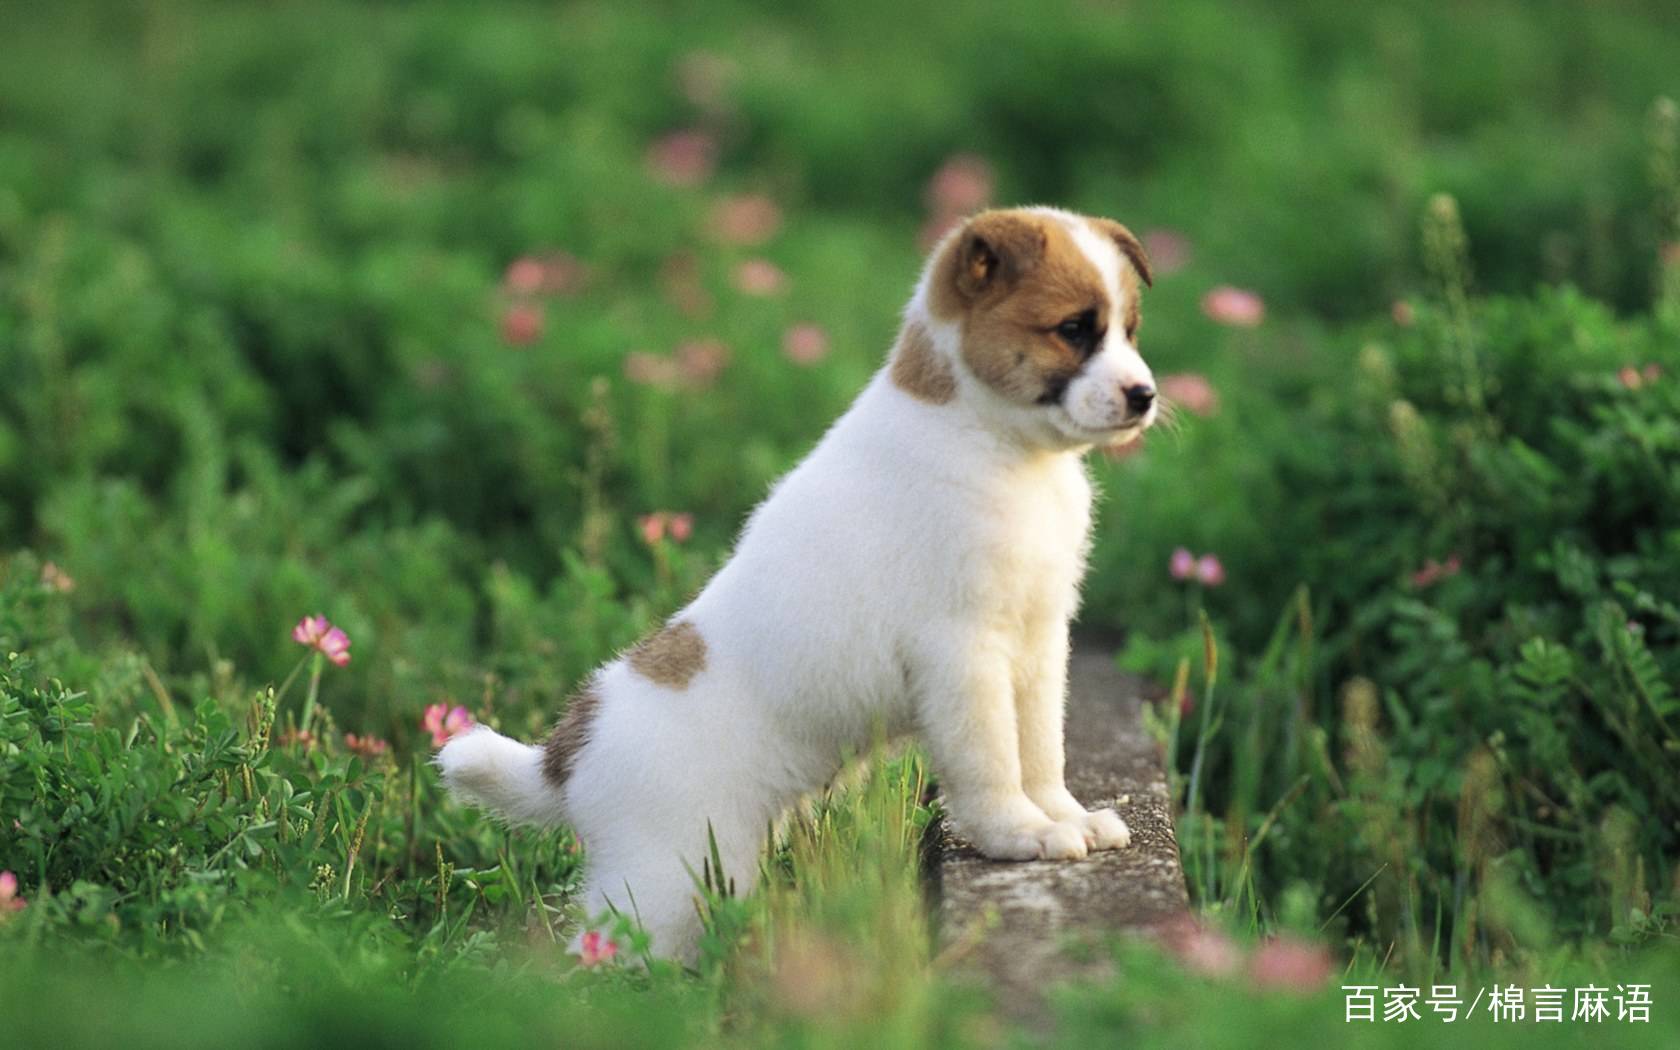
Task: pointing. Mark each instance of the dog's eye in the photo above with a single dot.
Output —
(1079, 331)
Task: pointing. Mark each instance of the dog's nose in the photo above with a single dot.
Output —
(1139, 398)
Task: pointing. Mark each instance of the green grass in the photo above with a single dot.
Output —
(251, 303)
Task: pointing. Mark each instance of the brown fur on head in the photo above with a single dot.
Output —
(1035, 300)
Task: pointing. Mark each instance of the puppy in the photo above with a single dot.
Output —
(916, 572)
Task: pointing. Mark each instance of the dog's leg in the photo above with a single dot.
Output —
(1040, 705)
(967, 715)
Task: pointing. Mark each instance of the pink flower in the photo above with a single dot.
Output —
(1183, 564)
(443, 722)
(1434, 572)
(1236, 307)
(745, 219)
(805, 344)
(595, 949)
(317, 632)
(1209, 571)
(652, 528)
(700, 361)
(553, 273)
(1202, 950)
(54, 578)
(524, 276)
(1169, 251)
(1634, 378)
(963, 184)
(366, 746)
(760, 277)
(1670, 253)
(649, 369)
(1191, 390)
(522, 324)
(682, 158)
(1403, 313)
(9, 900)
(1291, 965)
(295, 737)
(662, 523)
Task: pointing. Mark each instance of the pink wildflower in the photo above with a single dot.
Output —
(594, 949)
(1403, 313)
(1434, 572)
(522, 324)
(963, 184)
(366, 746)
(760, 277)
(1183, 564)
(54, 578)
(9, 900)
(295, 737)
(317, 632)
(443, 722)
(746, 219)
(652, 528)
(683, 158)
(1209, 571)
(1192, 390)
(805, 344)
(700, 361)
(1236, 307)
(524, 275)
(1634, 378)
(1169, 251)
(1201, 949)
(649, 369)
(1670, 253)
(1291, 965)
(662, 523)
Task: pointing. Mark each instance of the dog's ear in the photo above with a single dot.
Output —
(992, 251)
(1129, 246)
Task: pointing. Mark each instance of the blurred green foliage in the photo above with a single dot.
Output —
(258, 359)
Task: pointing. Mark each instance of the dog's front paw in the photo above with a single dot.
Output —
(1105, 830)
(1047, 841)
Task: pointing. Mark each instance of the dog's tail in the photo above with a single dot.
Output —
(504, 776)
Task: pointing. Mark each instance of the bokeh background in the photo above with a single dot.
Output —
(479, 328)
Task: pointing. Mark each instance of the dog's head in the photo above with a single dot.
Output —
(1044, 306)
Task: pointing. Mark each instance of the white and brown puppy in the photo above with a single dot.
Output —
(916, 573)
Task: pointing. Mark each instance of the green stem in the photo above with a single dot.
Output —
(280, 694)
(314, 691)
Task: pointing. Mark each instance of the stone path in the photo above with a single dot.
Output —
(1021, 927)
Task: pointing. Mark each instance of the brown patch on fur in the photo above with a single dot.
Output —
(1134, 309)
(918, 370)
(1012, 277)
(570, 734)
(1129, 246)
(671, 657)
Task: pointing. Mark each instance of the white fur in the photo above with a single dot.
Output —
(916, 572)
